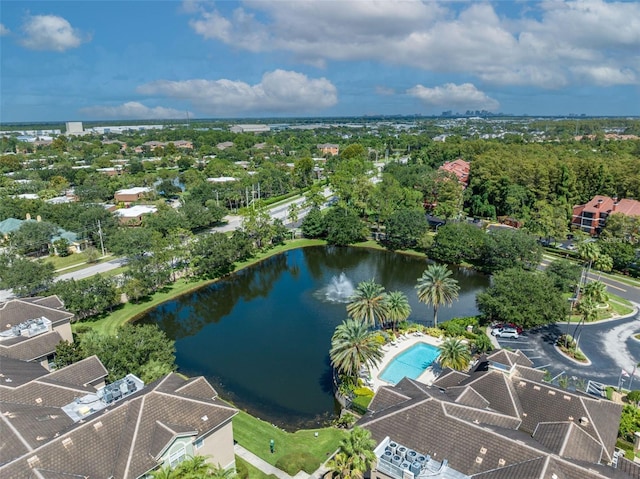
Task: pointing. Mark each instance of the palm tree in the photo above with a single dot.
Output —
(368, 303)
(398, 307)
(354, 345)
(194, 467)
(454, 354)
(341, 467)
(436, 287)
(359, 446)
(166, 472)
(604, 264)
(589, 310)
(219, 472)
(597, 291)
(589, 252)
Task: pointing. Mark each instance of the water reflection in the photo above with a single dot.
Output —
(262, 336)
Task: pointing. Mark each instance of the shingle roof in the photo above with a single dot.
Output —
(568, 440)
(29, 349)
(16, 311)
(81, 373)
(14, 373)
(127, 434)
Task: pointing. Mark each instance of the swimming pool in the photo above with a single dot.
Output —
(410, 363)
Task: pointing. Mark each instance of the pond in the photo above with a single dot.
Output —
(262, 335)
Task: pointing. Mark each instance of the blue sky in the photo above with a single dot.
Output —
(92, 60)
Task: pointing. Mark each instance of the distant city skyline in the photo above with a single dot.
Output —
(116, 60)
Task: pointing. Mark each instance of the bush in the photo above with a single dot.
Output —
(295, 462)
(634, 396)
(579, 355)
(362, 402)
(363, 392)
(434, 332)
(242, 472)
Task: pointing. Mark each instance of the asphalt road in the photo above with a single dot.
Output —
(608, 344)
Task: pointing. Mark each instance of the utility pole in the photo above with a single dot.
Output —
(101, 240)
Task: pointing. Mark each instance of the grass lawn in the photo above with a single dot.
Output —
(255, 434)
(252, 471)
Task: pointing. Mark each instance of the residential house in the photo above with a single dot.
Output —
(76, 244)
(328, 149)
(501, 420)
(67, 423)
(133, 216)
(592, 216)
(131, 195)
(31, 328)
(224, 145)
(460, 168)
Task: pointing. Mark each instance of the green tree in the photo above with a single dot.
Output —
(213, 256)
(67, 353)
(622, 253)
(358, 446)
(507, 248)
(603, 264)
(436, 287)
(130, 350)
(526, 298)
(340, 466)
(33, 237)
(404, 228)
(597, 291)
(588, 252)
(354, 345)
(398, 307)
(454, 354)
(458, 242)
(313, 225)
(344, 227)
(369, 303)
(23, 276)
(564, 274)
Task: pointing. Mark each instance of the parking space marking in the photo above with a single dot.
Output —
(543, 366)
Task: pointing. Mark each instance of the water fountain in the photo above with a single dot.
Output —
(339, 290)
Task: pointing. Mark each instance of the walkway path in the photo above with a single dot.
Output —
(267, 468)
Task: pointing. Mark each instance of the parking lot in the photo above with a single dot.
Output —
(609, 345)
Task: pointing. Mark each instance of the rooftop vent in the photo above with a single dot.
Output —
(33, 461)
(205, 418)
(552, 393)
(97, 426)
(501, 462)
(478, 460)
(583, 421)
(567, 397)
(38, 400)
(67, 442)
(536, 388)
(483, 450)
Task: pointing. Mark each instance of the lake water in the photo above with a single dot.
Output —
(262, 336)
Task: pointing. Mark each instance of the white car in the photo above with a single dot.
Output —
(505, 333)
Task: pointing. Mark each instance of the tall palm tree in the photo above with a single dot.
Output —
(193, 467)
(454, 354)
(588, 308)
(354, 345)
(368, 303)
(341, 467)
(436, 287)
(219, 472)
(359, 446)
(597, 291)
(398, 307)
(166, 472)
(604, 264)
(589, 252)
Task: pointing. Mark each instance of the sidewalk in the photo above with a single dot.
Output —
(267, 468)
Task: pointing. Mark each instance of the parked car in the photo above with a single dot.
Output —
(505, 333)
(508, 325)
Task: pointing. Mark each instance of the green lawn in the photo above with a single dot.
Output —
(255, 434)
(252, 471)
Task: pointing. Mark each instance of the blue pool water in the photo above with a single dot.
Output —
(410, 363)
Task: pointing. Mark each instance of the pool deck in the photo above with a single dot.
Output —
(391, 351)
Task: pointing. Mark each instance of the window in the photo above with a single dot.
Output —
(177, 457)
(198, 444)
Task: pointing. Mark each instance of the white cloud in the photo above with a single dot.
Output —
(4, 30)
(385, 91)
(450, 95)
(279, 91)
(607, 76)
(134, 110)
(546, 44)
(50, 32)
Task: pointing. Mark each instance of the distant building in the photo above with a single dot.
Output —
(328, 149)
(460, 168)
(130, 195)
(221, 179)
(250, 128)
(224, 145)
(74, 128)
(592, 216)
(133, 216)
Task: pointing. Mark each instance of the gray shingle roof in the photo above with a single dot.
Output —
(29, 349)
(569, 441)
(16, 311)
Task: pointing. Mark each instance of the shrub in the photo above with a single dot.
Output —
(294, 462)
(346, 420)
(634, 396)
(363, 392)
(579, 355)
(435, 332)
(242, 471)
(362, 401)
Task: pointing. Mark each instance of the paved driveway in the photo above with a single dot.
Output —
(609, 345)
